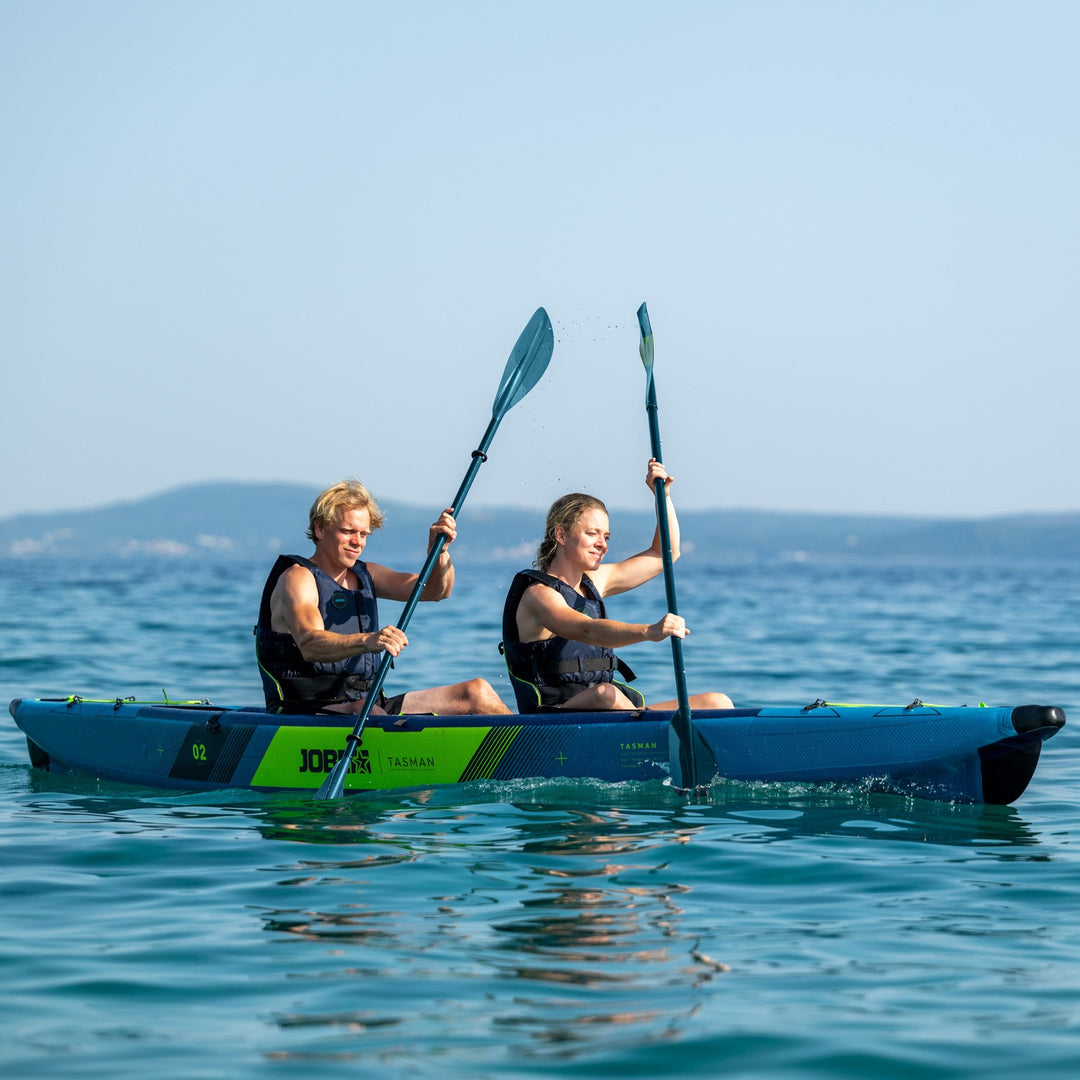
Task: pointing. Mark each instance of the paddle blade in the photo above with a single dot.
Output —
(333, 787)
(528, 361)
(693, 764)
(646, 346)
(680, 757)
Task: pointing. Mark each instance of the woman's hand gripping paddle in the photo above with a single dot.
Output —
(527, 363)
(681, 732)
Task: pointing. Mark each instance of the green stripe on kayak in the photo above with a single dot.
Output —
(302, 757)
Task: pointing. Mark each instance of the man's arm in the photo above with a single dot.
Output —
(294, 609)
(397, 585)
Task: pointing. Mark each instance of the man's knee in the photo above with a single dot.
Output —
(480, 697)
(473, 689)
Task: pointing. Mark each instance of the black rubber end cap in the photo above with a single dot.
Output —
(1027, 718)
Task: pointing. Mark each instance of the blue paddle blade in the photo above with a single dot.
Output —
(646, 346)
(528, 361)
(682, 770)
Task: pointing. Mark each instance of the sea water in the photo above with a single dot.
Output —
(542, 928)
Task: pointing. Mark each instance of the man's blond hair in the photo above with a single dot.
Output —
(329, 507)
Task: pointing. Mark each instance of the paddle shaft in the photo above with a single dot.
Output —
(479, 456)
(659, 489)
(334, 784)
(683, 763)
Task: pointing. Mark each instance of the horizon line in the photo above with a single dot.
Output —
(527, 508)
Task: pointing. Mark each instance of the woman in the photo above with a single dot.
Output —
(559, 642)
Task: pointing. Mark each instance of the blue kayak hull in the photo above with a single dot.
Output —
(966, 754)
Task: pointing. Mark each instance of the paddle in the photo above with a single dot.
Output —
(528, 361)
(681, 732)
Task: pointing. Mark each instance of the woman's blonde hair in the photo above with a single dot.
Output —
(329, 507)
(563, 515)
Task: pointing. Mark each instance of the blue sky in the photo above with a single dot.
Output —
(290, 241)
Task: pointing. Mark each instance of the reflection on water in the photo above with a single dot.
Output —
(789, 810)
(766, 812)
(734, 810)
(582, 926)
(339, 928)
(530, 937)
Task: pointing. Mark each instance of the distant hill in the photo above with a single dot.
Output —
(252, 520)
(235, 518)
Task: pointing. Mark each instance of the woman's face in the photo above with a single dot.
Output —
(585, 543)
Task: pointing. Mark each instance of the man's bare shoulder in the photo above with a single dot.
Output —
(297, 578)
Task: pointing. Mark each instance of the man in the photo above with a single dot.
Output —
(558, 640)
(318, 639)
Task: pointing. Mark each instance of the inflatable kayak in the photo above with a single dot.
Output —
(961, 753)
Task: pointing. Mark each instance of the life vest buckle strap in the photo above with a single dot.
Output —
(581, 664)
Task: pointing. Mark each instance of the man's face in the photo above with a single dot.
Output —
(344, 542)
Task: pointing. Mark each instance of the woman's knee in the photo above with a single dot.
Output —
(608, 694)
(716, 701)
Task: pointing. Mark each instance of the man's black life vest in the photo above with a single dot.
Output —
(546, 673)
(292, 683)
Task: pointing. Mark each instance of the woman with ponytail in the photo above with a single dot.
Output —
(557, 638)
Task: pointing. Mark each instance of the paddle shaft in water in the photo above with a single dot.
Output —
(683, 764)
(527, 363)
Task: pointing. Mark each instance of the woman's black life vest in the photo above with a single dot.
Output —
(292, 683)
(546, 673)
